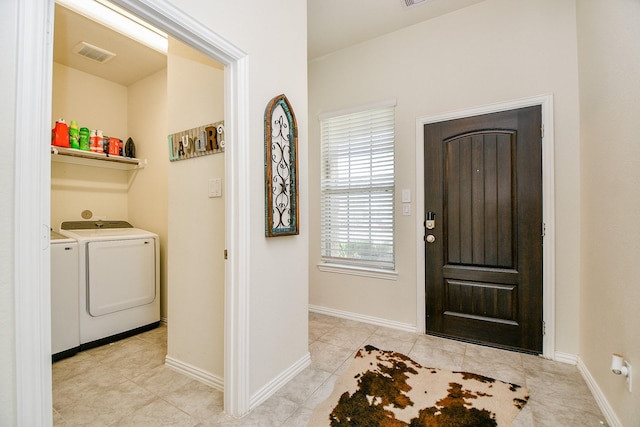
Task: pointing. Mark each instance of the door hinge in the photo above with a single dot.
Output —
(544, 328)
(225, 254)
(544, 229)
(542, 132)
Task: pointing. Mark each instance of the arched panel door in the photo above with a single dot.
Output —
(483, 189)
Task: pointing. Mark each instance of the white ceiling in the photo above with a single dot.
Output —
(336, 24)
(332, 25)
(133, 60)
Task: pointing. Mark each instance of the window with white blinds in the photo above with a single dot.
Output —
(357, 189)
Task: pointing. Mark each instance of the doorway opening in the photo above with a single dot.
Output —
(145, 90)
(34, 88)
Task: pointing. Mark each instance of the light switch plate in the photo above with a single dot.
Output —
(406, 196)
(215, 187)
(406, 209)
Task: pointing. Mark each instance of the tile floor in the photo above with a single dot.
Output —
(127, 384)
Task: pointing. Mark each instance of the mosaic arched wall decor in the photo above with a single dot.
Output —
(281, 168)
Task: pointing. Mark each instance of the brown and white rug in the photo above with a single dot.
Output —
(385, 388)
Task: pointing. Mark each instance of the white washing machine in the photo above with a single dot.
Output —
(119, 280)
(65, 329)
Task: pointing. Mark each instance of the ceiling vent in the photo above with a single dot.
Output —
(92, 52)
(412, 3)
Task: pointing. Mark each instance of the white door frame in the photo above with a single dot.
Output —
(32, 200)
(548, 207)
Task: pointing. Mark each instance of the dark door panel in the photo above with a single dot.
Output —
(483, 180)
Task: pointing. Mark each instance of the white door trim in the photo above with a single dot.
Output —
(32, 200)
(548, 202)
(32, 303)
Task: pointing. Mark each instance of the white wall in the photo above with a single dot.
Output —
(609, 53)
(147, 196)
(196, 237)
(494, 51)
(8, 35)
(273, 34)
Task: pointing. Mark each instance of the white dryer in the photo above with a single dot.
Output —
(119, 280)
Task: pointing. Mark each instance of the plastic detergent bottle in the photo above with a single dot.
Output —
(74, 135)
(85, 143)
(97, 141)
(60, 134)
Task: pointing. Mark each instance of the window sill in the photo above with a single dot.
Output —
(358, 271)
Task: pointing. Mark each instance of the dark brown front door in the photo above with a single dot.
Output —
(483, 183)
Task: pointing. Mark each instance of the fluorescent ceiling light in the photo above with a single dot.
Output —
(119, 20)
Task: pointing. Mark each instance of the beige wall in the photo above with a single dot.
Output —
(273, 34)
(8, 35)
(94, 103)
(494, 51)
(609, 52)
(147, 196)
(197, 223)
(138, 111)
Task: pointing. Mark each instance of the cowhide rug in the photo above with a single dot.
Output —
(385, 388)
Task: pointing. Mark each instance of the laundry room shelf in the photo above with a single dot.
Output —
(88, 158)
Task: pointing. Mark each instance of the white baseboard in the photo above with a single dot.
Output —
(568, 358)
(274, 385)
(362, 318)
(195, 373)
(603, 403)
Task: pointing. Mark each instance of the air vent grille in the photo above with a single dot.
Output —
(92, 52)
(412, 3)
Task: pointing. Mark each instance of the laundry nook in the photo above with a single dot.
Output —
(135, 151)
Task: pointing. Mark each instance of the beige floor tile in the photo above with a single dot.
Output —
(105, 405)
(317, 331)
(328, 357)
(127, 383)
(72, 366)
(567, 394)
(299, 418)
(513, 374)
(58, 420)
(450, 346)
(162, 380)
(157, 413)
(322, 393)
(347, 337)
(478, 352)
(82, 386)
(524, 418)
(434, 357)
(198, 400)
(274, 412)
(386, 342)
(303, 385)
(557, 414)
(158, 339)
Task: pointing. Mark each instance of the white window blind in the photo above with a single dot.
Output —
(357, 186)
